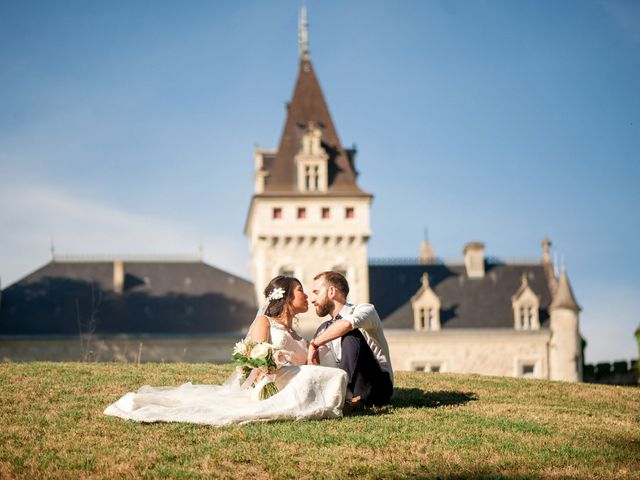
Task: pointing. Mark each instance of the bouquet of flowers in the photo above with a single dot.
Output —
(258, 362)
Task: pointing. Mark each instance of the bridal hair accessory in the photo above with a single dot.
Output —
(276, 294)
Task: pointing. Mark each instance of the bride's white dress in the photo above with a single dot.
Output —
(305, 392)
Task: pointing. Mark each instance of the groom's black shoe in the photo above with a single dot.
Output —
(354, 405)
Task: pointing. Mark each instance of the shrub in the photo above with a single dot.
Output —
(620, 367)
(603, 369)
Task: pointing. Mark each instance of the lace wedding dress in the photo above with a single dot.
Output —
(305, 392)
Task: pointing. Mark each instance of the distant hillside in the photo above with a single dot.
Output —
(439, 426)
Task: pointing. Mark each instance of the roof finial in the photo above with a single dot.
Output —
(52, 247)
(426, 234)
(303, 34)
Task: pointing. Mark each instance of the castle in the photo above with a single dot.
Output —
(308, 214)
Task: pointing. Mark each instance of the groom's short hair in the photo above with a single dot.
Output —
(335, 279)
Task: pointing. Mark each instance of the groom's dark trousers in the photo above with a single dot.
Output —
(366, 379)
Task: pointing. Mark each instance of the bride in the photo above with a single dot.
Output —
(305, 391)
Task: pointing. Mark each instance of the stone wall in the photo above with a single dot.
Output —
(197, 349)
(616, 373)
(488, 351)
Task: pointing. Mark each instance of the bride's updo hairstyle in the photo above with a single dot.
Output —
(277, 306)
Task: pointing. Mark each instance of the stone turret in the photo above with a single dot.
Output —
(565, 352)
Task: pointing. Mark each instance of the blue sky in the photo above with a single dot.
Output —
(128, 127)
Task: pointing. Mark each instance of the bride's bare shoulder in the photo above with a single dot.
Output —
(259, 329)
(261, 319)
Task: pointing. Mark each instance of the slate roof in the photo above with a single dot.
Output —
(466, 302)
(159, 297)
(308, 105)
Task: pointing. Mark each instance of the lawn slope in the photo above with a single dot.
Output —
(439, 426)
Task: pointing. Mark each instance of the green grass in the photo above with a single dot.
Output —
(439, 426)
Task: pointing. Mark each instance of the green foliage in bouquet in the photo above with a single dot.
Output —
(249, 355)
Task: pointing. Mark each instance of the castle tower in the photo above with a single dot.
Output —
(308, 214)
(565, 352)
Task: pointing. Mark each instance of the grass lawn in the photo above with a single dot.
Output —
(439, 426)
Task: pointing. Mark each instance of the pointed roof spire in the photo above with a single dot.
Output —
(303, 34)
(563, 297)
(308, 106)
(427, 254)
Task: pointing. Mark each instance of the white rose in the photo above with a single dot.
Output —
(260, 350)
(240, 348)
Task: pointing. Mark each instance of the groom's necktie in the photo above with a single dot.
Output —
(328, 323)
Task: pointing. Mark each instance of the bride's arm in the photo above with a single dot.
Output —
(259, 330)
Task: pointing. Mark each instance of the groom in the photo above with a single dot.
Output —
(352, 340)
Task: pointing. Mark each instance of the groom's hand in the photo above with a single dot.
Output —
(313, 357)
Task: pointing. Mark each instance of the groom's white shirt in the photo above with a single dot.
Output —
(364, 317)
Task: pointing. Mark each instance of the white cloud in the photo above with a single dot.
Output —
(30, 216)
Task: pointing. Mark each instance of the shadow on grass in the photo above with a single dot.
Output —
(416, 398)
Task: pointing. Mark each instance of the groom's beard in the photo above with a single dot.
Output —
(322, 310)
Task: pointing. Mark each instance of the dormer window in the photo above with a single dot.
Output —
(526, 307)
(311, 161)
(426, 307)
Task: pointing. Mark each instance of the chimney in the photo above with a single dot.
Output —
(118, 276)
(474, 259)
